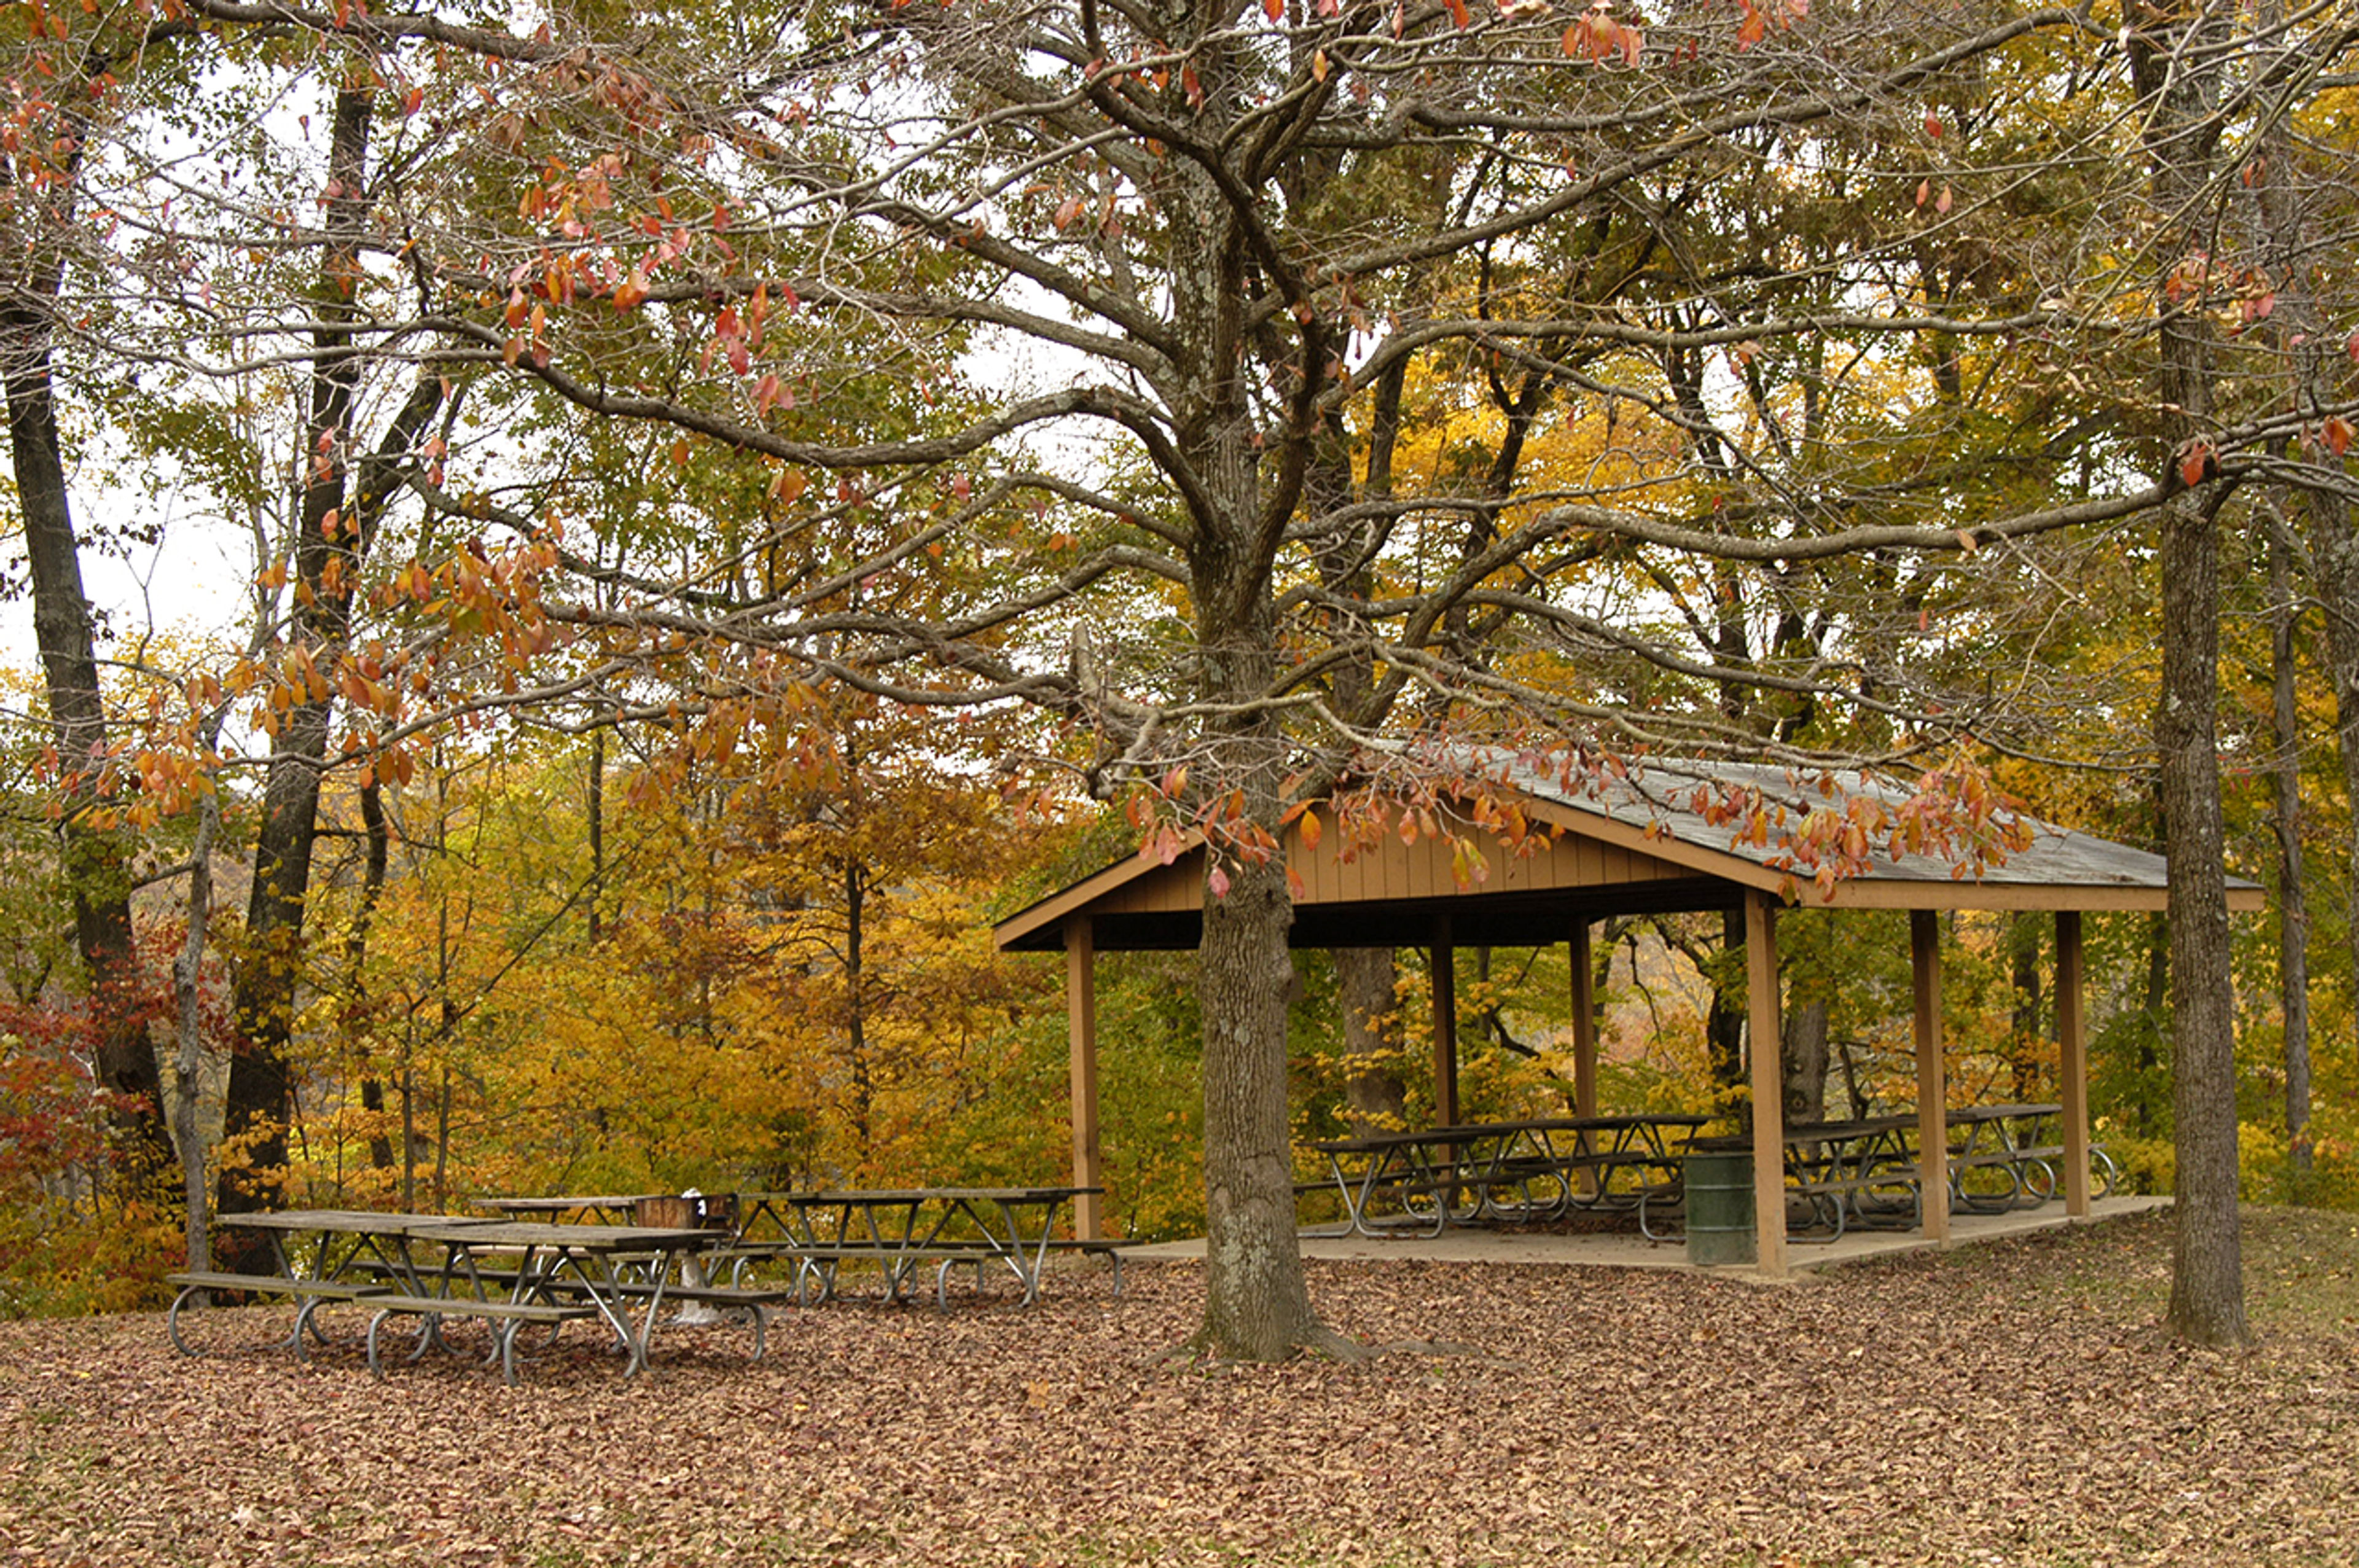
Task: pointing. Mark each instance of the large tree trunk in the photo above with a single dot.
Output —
(1256, 1303)
(95, 857)
(332, 536)
(2026, 1049)
(265, 987)
(1375, 1098)
(2177, 71)
(1804, 1059)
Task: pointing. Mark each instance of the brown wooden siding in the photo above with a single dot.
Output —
(1394, 871)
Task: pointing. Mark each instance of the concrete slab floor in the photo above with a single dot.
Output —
(1487, 1244)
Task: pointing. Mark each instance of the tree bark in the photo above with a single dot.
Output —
(1805, 1060)
(1375, 1098)
(260, 1087)
(189, 1061)
(357, 1010)
(2176, 68)
(1257, 1304)
(2293, 907)
(2298, 335)
(2026, 1049)
(94, 856)
(1723, 1025)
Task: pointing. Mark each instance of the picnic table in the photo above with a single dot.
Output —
(1499, 1170)
(1855, 1172)
(1866, 1171)
(557, 1270)
(603, 1208)
(902, 1228)
(352, 1254)
(507, 1274)
(2003, 1155)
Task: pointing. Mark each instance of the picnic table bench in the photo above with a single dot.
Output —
(1507, 1170)
(504, 1274)
(309, 1294)
(504, 1317)
(899, 1229)
(2021, 1145)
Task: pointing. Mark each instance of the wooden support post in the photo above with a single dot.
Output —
(1768, 1084)
(1584, 1050)
(1081, 1034)
(2072, 1063)
(1932, 1077)
(1585, 1025)
(1445, 961)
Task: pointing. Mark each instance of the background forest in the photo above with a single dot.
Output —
(578, 560)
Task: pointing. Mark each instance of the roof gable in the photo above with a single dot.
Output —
(1635, 844)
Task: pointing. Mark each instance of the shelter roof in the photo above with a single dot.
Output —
(1659, 839)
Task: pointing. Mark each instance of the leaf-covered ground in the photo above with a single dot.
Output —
(2010, 1404)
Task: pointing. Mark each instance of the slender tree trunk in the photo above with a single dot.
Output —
(2293, 906)
(189, 1060)
(1375, 1098)
(2176, 67)
(855, 1021)
(596, 809)
(2300, 336)
(358, 1009)
(39, 217)
(1723, 1026)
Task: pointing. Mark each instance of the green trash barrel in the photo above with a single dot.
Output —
(1720, 1205)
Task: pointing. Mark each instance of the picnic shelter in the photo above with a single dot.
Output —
(1659, 841)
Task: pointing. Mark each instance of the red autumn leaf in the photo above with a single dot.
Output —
(2337, 433)
(2195, 463)
(1459, 14)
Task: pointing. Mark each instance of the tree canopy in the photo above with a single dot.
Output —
(1220, 411)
